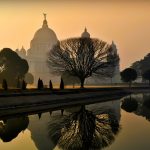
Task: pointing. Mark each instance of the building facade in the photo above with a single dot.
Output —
(44, 39)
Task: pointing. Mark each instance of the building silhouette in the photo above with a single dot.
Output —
(44, 39)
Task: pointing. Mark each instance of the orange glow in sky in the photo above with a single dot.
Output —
(127, 23)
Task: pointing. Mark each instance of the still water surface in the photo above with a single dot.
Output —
(115, 125)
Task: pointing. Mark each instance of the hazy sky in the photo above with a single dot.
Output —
(127, 23)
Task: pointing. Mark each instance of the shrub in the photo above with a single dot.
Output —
(61, 84)
(18, 83)
(129, 104)
(24, 85)
(40, 84)
(50, 85)
(4, 84)
(128, 75)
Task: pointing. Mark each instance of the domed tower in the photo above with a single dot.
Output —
(21, 52)
(44, 39)
(85, 34)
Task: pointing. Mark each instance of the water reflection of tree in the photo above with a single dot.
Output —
(83, 130)
(129, 104)
(146, 106)
(10, 128)
(138, 106)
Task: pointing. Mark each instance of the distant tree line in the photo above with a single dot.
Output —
(142, 67)
(139, 69)
(40, 85)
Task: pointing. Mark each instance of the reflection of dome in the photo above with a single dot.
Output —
(85, 34)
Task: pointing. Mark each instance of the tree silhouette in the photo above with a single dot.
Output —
(69, 79)
(61, 84)
(14, 66)
(4, 84)
(142, 65)
(129, 104)
(18, 83)
(128, 75)
(29, 79)
(137, 66)
(24, 85)
(146, 75)
(145, 63)
(13, 127)
(50, 85)
(40, 84)
(82, 57)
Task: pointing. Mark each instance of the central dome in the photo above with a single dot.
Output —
(44, 39)
(45, 34)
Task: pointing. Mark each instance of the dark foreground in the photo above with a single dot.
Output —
(105, 125)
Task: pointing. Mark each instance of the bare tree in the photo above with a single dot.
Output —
(69, 79)
(82, 57)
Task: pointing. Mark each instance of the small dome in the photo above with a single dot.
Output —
(17, 50)
(22, 51)
(85, 34)
(114, 48)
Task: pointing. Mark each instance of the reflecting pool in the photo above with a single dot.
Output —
(114, 125)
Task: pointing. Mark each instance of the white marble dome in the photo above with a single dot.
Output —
(44, 39)
(44, 34)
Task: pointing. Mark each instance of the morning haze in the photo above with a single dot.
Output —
(66, 80)
(127, 23)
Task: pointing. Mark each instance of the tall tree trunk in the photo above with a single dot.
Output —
(82, 82)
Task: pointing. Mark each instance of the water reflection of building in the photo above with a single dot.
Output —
(39, 131)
